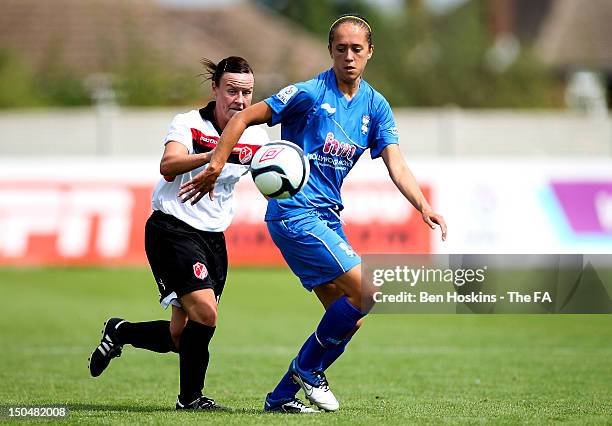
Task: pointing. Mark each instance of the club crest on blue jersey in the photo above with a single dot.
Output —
(365, 122)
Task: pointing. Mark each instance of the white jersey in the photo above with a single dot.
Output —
(195, 130)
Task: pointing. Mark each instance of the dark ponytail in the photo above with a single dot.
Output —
(233, 64)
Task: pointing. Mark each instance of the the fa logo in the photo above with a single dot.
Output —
(540, 296)
(245, 155)
(200, 271)
(270, 154)
(365, 122)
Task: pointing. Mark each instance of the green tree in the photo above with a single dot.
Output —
(144, 80)
(424, 59)
(16, 83)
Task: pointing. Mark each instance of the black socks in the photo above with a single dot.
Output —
(193, 354)
(151, 335)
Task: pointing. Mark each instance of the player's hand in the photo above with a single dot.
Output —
(432, 219)
(203, 183)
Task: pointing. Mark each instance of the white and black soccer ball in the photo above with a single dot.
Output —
(280, 169)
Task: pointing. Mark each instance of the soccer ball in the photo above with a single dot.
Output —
(280, 169)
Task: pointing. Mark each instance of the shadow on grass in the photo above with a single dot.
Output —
(138, 408)
(133, 408)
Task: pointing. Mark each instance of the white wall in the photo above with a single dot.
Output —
(424, 133)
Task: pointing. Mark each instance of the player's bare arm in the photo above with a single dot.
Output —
(405, 181)
(176, 159)
(204, 182)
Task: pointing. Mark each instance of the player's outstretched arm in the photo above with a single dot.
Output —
(176, 159)
(204, 182)
(405, 181)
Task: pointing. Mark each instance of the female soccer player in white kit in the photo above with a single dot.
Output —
(185, 244)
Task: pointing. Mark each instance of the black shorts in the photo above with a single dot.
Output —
(184, 259)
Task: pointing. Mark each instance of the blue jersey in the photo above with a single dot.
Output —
(333, 132)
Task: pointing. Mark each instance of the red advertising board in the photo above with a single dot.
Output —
(101, 222)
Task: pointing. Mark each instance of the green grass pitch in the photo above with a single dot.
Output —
(399, 369)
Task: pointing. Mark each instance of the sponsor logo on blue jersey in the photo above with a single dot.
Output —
(341, 149)
(336, 154)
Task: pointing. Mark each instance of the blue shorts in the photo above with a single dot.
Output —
(314, 246)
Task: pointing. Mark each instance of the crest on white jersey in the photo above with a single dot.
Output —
(246, 153)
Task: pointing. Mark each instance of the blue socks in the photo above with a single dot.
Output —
(333, 354)
(339, 320)
(285, 389)
(324, 346)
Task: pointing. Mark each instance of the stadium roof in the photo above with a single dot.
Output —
(97, 35)
(578, 34)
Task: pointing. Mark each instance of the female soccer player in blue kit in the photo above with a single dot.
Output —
(334, 117)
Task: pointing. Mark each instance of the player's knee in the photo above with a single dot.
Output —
(209, 318)
(212, 318)
(205, 314)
